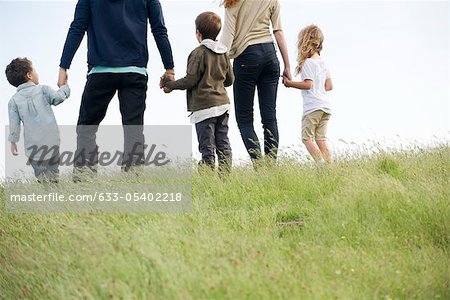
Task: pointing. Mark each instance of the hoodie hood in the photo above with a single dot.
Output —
(215, 46)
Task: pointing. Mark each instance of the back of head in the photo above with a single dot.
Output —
(209, 25)
(16, 72)
(310, 40)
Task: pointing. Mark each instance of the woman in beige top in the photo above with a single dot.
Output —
(247, 34)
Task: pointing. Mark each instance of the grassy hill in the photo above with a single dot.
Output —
(372, 228)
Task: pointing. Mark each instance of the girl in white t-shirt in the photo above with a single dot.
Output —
(315, 84)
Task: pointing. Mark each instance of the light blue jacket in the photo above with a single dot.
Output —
(31, 105)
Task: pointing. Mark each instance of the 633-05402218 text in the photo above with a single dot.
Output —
(98, 197)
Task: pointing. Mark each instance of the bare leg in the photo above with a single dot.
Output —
(323, 146)
(312, 149)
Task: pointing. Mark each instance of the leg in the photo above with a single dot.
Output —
(321, 137)
(224, 153)
(51, 169)
(206, 141)
(324, 150)
(267, 94)
(312, 149)
(246, 70)
(132, 96)
(98, 92)
(37, 168)
(309, 125)
(46, 170)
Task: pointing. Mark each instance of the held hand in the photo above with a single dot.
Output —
(287, 73)
(169, 75)
(14, 149)
(286, 81)
(167, 90)
(62, 78)
(162, 81)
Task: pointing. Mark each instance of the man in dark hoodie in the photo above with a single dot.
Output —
(117, 61)
(209, 71)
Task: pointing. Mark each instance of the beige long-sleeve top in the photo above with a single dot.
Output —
(248, 23)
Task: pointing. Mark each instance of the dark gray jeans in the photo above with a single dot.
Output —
(212, 137)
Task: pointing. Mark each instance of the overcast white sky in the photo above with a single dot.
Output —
(389, 62)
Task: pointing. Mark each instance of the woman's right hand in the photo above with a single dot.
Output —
(287, 73)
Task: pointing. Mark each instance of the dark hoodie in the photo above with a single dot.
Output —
(117, 33)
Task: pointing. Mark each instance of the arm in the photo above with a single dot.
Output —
(76, 32)
(74, 37)
(301, 85)
(281, 42)
(159, 31)
(307, 73)
(230, 75)
(328, 82)
(193, 76)
(229, 27)
(275, 19)
(14, 122)
(328, 85)
(56, 97)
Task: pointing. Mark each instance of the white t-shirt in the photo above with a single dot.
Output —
(315, 98)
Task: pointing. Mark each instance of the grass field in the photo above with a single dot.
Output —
(371, 228)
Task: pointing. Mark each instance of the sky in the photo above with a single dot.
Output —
(389, 62)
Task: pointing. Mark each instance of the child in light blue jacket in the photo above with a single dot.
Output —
(31, 105)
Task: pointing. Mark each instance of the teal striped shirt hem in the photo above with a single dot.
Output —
(132, 69)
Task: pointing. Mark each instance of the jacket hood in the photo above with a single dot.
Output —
(215, 46)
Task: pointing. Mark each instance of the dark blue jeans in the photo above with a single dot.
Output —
(99, 90)
(257, 67)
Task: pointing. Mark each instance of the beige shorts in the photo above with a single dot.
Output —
(314, 125)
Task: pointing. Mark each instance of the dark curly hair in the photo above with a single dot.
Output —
(16, 71)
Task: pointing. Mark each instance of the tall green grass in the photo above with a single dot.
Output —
(372, 228)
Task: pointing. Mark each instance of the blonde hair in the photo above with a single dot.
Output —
(310, 40)
(229, 3)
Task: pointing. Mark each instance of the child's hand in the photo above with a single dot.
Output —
(166, 77)
(14, 149)
(167, 90)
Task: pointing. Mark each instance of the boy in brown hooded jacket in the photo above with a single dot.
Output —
(209, 71)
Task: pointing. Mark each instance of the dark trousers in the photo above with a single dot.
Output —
(99, 90)
(257, 67)
(212, 137)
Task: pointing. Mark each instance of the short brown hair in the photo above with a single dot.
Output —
(16, 72)
(208, 24)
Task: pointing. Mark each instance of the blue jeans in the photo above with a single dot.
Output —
(257, 67)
